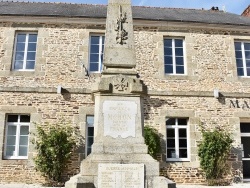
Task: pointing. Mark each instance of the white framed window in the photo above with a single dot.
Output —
(177, 140)
(174, 56)
(24, 56)
(17, 136)
(245, 147)
(242, 52)
(96, 53)
(89, 133)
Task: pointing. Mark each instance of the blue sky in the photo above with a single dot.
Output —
(233, 6)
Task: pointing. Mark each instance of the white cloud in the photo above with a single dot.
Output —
(142, 2)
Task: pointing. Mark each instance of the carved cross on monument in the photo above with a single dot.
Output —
(122, 34)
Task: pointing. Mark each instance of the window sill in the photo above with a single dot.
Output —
(22, 72)
(15, 161)
(176, 76)
(244, 78)
(95, 74)
(177, 160)
(14, 158)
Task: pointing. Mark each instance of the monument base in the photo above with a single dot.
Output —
(88, 178)
(79, 181)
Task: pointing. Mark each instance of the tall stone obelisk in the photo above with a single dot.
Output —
(119, 51)
(119, 155)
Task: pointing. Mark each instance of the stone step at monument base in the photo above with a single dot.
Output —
(80, 181)
(89, 166)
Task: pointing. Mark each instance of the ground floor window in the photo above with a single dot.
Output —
(89, 134)
(245, 146)
(17, 136)
(177, 139)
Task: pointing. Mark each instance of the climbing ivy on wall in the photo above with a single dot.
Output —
(213, 152)
(55, 144)
(153, 140)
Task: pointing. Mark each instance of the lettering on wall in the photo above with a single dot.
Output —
(243, 104)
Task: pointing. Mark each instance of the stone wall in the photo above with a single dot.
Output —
(43, 108)
(201, 111)
(183, 175)
(210, 61)
(63, 50)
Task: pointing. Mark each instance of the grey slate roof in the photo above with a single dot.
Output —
(99, 11)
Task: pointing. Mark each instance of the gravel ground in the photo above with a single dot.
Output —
(245, 185)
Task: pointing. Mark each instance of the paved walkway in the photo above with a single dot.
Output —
(245, 185)
(21, 186)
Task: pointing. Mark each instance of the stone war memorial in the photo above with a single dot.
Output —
(119, 156)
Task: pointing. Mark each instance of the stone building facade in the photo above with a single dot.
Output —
(184, 57)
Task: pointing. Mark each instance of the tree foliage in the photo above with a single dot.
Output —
(213, 152)
(54, 144)
(153, 140)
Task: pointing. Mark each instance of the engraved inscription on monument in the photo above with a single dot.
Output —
(121, 176)
(119, 118)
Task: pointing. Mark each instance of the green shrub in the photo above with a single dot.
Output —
(213, 152)
(54, 144)
(153, 140)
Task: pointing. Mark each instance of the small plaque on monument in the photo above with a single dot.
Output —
(119, 118)
(121, 176)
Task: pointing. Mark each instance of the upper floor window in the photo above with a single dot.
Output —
(17, 136)
(25, 51)
(174, 62)
(242, 51)
(177, 139)
(89, 134)
(96, 53)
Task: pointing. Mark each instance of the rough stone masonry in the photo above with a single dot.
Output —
(62, 41)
